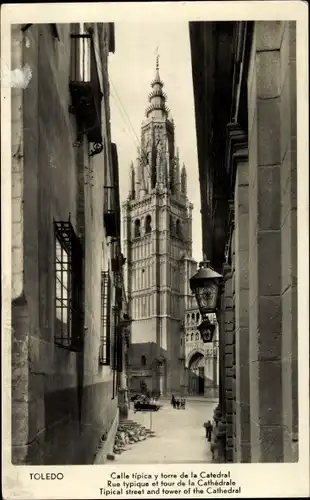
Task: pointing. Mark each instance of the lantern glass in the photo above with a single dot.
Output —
(206, 296)
(205, 285)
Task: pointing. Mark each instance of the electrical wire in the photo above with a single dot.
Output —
(131, 129)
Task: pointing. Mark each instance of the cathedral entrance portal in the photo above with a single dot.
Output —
(196, 376)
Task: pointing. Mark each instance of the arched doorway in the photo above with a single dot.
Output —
(196, 374)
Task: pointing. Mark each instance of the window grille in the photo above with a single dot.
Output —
(116, 350)
(105, 336)
(69, 319)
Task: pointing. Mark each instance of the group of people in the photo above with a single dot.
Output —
(178, 403)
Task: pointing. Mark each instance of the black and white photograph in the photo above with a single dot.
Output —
(154, 268)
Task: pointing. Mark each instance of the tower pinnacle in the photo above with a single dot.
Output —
(157, 98)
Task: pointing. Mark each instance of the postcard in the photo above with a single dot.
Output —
(155, 256)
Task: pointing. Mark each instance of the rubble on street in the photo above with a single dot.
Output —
(129, 433)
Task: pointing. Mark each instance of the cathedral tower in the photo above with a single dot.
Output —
(157, 221)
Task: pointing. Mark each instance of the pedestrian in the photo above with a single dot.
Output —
(173, 401)
(178, 404)
(208, 426)
(183, 403)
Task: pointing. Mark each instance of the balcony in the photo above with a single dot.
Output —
(85, 89)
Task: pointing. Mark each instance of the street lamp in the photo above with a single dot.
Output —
(205, 285)
(125, 324)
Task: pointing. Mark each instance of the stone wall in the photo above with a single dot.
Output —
(62, 400)
(272, 242)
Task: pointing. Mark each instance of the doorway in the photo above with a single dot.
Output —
(196, 382)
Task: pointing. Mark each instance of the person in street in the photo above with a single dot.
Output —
(173, 401)
(183, 403)
(178, 404)
(208, 426)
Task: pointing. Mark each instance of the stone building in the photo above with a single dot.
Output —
(201, 361)
(66, 261)
(157, 222)
(244, 76)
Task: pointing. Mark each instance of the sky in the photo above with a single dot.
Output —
(131, 70)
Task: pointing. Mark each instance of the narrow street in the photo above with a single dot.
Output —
(180, 435)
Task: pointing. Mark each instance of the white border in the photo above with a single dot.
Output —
(257, 480)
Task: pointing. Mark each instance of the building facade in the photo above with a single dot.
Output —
(200, 361)
(66, 261)
(157, 221)
(244, 76)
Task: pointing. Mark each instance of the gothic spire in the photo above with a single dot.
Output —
(177, 170)
(132, 181)
(184, 180)
(157, 98)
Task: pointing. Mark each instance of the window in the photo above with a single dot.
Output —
(137, 228)
(69, 319)
(197, 336)
(105, 333)
(178, 230)
(197, 317)
(148, 224)
(143, 360)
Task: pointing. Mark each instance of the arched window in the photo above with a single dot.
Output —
(193, 317)
(148, 224)
(178, 228)
(188, 318)
(192, 336)
(143, 360)
(197, 317)
(197, 336)
(137, 228)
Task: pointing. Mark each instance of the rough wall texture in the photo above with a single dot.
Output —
(272, 232)
(242, 420)
(62, 401)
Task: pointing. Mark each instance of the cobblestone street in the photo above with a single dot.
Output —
(180, 435)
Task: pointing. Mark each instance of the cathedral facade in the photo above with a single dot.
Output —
(200, 375)
(157, 223)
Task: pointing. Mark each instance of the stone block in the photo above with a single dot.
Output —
(229, 383)
(271, 444)
(269, 262)
(270, 393)
(243, 384)
(268, 74)
(289, 328)
(269, 198)
(268, 35)
(292, 43)
(288, 185)
(285, 52)
(243, 232)
(242, 310)
(242, 270)
(286, 115)
(269, 132)
(242, 178)
(289, 250)
(269, 328)
(245, 451)
(242, 199)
